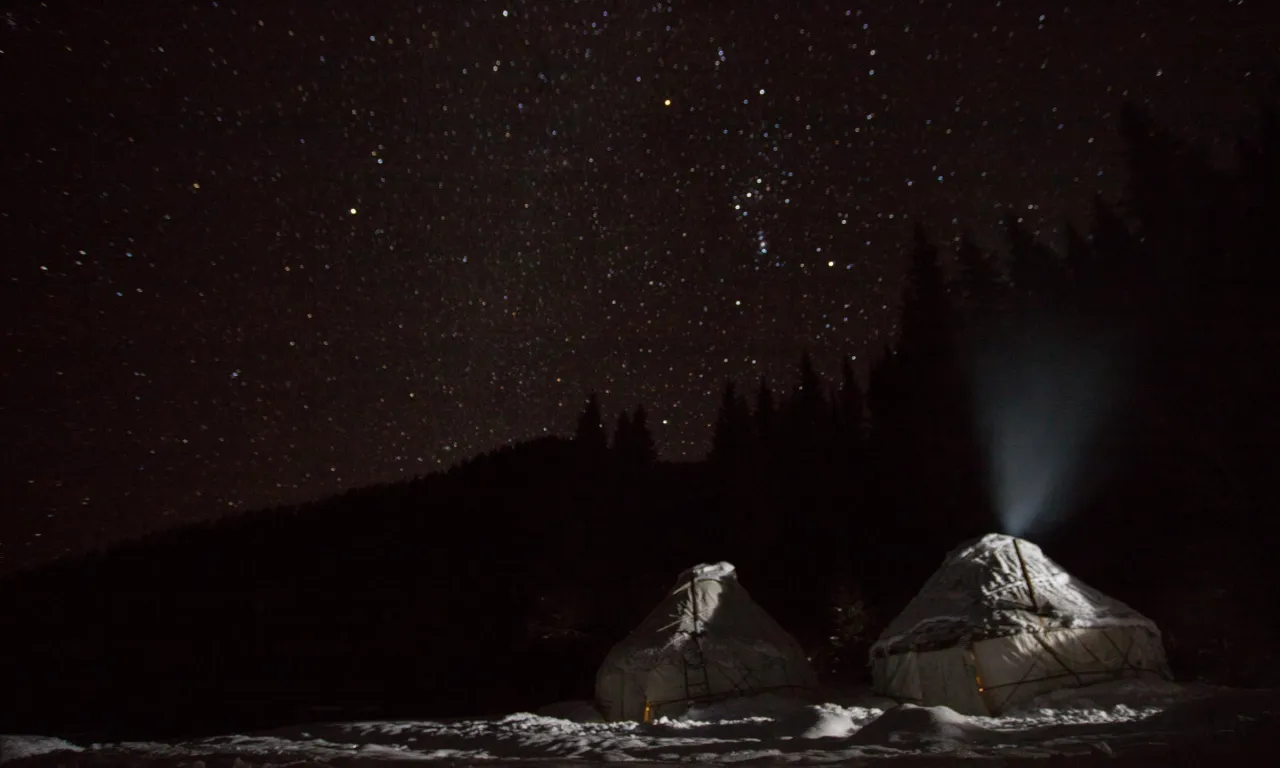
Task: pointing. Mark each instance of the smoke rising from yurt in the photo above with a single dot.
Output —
(1041, 401)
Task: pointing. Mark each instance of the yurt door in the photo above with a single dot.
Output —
(948, 678)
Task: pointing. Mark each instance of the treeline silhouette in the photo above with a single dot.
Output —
(500, 584)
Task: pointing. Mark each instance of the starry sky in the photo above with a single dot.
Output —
(257, 253)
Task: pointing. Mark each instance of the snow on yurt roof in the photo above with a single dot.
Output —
(709, 602)
(996, 586)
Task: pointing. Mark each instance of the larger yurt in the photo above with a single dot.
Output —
(1000, 623)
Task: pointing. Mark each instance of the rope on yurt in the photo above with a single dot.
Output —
(1035, 605)
(699, 662)
(1031, 589)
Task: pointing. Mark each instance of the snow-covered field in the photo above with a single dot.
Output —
(1100, 722)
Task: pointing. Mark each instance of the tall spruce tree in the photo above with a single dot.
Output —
(1036, 272)
(928, 316)
(765, 416)
(808, 411)
(1180, 207)
(1083, 268)
(623, 437)
(731, 441)
(590, 434)
(980, 281)
(1120, 283)
(927, 460)
(851, 407)
(642, 451)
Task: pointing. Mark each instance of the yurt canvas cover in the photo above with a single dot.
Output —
(1001, 623)
(707, 641)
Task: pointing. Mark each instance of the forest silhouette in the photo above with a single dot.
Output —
(500, 584)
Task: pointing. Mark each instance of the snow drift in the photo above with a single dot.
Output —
(1115, 718)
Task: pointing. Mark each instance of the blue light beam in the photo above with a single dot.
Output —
(1041, 400)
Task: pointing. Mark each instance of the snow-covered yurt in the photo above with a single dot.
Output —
(707, 641)
(1000, 623)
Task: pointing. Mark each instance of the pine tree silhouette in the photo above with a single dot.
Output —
(623, 437)
(884, 398)
(643, 452)
(590, 434)
(835, 414)
(808, 429)
(927, 461)
(927, 312)
(1167, 180)
(765, 417)
(1037, 274)
(1087, 274)
(1119, 285)
(731, 441)
(1179, 206)
(850, 410)
(1078, 255)
(980, 282)
(810, 382)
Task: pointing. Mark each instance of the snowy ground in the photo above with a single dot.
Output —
(1101, 723)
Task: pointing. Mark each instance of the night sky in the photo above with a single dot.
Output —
(257, 253)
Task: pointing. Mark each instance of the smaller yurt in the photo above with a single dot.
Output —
(1000, 623)
(707, 641)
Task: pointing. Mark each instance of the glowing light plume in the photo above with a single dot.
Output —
(1041, 402)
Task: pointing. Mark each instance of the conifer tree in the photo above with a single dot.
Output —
(1178, 205)
(927, 314)
(642, 451)
(851, 405)
(927, 465)
(1114, 244)
(1082, 267)
(590, 434)
(810, 381)
(980, 282)
(731, 440)
(1035, 270)
(765, 416)
(623, 437)
(808, 410)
